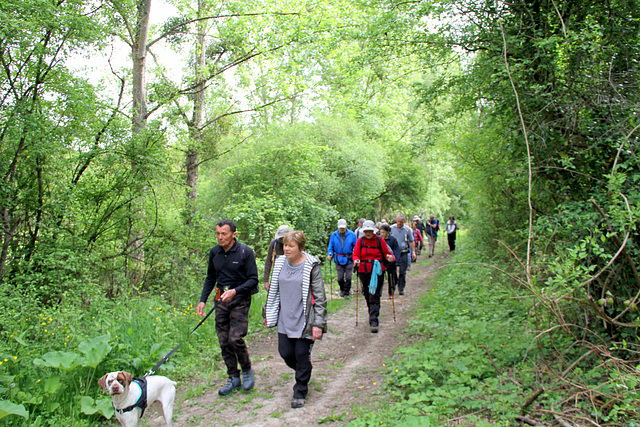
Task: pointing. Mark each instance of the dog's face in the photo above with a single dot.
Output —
(115, 382)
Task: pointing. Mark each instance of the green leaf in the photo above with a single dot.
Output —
(58, 359)
(9, 408)
(52, 384)
(95, 350)
(89, 406)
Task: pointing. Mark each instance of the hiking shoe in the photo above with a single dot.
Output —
(374, 329)
(248, 380)
(401, 293)
(297, 403)
(345, 296)
(233, 384)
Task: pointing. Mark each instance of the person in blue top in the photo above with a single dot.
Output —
(340, 250)
(433, 225)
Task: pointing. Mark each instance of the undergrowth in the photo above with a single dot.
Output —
(470, 364)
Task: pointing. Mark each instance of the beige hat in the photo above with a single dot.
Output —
(282, 230)
(342, 223)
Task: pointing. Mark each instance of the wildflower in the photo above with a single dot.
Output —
(15, 357)
(46, 331)
(43, 323)
(375, 383)
(397, 370)
(38, 380)
(0, 363)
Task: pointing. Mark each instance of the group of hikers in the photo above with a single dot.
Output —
(296, 300)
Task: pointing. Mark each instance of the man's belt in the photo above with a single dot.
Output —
(347, 255)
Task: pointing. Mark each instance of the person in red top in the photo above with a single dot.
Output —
(371, 248)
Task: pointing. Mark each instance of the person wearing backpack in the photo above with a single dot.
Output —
(405, 237)
(433, 226)
(369, 255)
(340, 251)
(276, 249)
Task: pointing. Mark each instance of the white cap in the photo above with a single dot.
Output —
(368, 225)
(342, 223)
(282, 230)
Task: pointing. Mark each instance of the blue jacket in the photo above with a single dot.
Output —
(341, 252)
(433, 231)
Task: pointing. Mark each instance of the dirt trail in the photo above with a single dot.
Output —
(347, 368)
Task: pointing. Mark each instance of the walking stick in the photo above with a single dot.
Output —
(330, 279)
(393, 291)
(357, 298)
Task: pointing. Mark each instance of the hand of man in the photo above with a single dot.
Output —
(200, 309)
(330, 257)
(316, 332)
(266, 286)
(413, 256)
(356, 262)
(228, 295)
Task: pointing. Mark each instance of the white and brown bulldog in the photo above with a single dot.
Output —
(131, 396)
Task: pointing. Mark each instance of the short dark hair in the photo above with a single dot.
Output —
(386, 228)
(230, 223)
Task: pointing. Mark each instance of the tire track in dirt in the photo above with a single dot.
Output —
(347, 369)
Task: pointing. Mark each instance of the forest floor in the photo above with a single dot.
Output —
(347, 367)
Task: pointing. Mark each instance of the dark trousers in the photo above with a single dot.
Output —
(402, 271)
(344, 273)
(392, 278)
(451, 237)
(232, 324)
(373, 300)
(296, 353)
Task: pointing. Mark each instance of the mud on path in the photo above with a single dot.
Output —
(347, 368)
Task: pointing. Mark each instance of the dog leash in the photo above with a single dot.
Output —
(164, 359)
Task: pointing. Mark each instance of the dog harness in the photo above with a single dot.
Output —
(141, 403)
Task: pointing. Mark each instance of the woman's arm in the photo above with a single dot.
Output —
(320, 299)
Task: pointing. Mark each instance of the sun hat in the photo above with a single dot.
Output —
(342, 223)
(416, 218)
(368, 225)
(282, 230)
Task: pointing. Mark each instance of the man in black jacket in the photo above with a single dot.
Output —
(232, 269)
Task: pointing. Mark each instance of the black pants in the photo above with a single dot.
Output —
(392, 278)
(372, 299)
(296, 353)
(451, 237)
(232, 324)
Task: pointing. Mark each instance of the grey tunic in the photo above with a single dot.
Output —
(291, 319)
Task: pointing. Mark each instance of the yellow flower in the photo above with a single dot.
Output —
(38, 380)
(15, 357)
(50, 319)
(375, 383)
(397, 370)
(46, 330)
(43, 323)
(0, 363)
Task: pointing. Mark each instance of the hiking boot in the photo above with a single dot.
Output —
(248, 380)
(297, 403)
(345, 296)
(233, 384)
(401, 293)
(374, 329)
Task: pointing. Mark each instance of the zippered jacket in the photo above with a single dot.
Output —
(313, 296)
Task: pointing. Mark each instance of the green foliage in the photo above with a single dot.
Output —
(470, 356)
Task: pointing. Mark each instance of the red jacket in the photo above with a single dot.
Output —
(367, 250)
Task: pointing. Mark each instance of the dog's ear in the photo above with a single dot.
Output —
(102, 382)
(126, 377)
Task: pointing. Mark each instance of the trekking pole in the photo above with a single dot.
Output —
(357, 295)
(393, 291)
(330, 279)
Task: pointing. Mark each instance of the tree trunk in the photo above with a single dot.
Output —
(139, 55)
